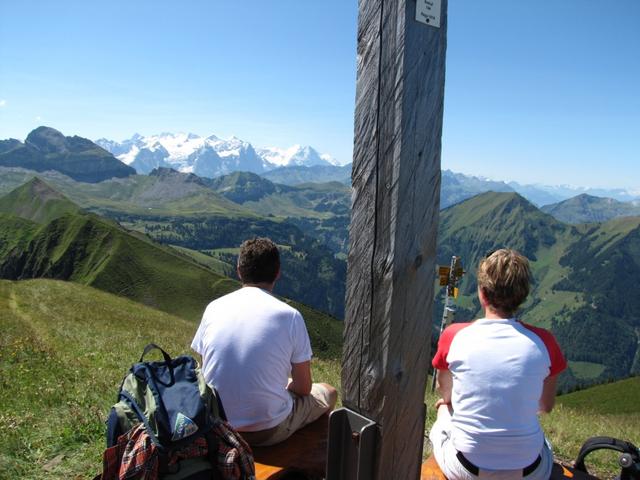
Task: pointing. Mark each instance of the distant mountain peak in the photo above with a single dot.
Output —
(585, 208)
(170, 173)
(37, 201)
(39, 188)
(296, 155)
(47, 140)
(46, 148)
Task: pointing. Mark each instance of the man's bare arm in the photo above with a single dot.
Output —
(300, 383)
(548, 397)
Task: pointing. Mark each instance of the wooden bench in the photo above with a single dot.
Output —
(301, 456)
(431, 471)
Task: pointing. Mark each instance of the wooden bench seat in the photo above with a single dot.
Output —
(301, 456)
(431, 471)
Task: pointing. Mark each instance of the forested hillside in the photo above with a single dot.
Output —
(582, 273)
(184, 210)
(582, 277)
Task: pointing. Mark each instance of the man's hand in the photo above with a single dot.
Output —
(300, 383)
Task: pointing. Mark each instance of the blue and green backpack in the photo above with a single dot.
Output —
(175, 405)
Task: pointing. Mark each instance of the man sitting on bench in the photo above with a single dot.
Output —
(250, 343)
(494, 375)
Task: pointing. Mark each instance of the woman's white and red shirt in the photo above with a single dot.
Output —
(498, 368)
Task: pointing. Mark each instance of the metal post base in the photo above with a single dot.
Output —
(351, 447)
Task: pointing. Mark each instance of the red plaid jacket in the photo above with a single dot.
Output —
(135, 456)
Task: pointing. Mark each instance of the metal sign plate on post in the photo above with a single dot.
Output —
(352, 446)
(428, 12)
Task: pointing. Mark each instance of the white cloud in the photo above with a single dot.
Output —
(3, 102)
(38, 118)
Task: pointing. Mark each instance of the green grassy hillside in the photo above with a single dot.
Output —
(581, 273)
(93, 251)
(582, 276)
(15, 233)
(617, 398)
(64, 350)
(37, 201)
(605, 410)
(311, 273)
(98, 252)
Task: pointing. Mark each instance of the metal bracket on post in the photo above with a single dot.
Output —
(352, 446)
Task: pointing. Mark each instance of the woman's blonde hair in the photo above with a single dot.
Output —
(503, 278)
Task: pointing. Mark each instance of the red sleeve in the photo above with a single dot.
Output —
(444, 343)
(558, 362)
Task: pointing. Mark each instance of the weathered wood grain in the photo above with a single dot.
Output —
(395, 204)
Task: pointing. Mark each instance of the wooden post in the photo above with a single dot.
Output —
(395, 205)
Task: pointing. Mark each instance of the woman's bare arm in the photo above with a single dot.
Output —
(548, 397)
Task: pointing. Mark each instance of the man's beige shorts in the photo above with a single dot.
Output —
(305, 410)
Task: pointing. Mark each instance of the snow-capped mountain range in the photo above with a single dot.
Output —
(207, 156)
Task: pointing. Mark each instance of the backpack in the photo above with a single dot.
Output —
(629, 460)
(170, 402)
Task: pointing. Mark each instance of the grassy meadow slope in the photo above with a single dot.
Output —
(603, 410)
(93, 251)
(15, 233)
(188, 214)
(311, 273)
(37, 201)
(64, 350)
(89, 250)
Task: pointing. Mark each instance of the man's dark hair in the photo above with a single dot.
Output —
(259, 261)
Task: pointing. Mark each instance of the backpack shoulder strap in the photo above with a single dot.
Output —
(143, 418)
(221, 413)
(113, 428)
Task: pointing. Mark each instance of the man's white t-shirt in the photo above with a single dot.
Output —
(248, 340)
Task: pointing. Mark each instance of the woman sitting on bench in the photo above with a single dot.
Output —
(494, 376)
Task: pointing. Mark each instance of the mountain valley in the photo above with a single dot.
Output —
(126, 235)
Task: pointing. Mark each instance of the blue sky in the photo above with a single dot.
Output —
(544, 91)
